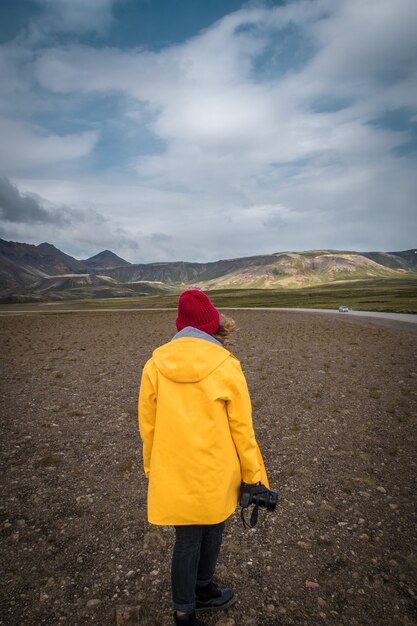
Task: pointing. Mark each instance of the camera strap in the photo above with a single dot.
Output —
(253, 517)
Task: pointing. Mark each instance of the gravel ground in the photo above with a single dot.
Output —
(334, 407)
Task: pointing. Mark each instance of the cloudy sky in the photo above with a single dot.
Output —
(200, 130)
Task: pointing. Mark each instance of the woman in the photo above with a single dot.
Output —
(198, 447)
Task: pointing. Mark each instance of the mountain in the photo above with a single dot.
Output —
(43, 258)
(395, 260)
(105, 260)
(282, 269)
(43, 272)
(22, 264)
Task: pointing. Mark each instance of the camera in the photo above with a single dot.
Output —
(261, 496)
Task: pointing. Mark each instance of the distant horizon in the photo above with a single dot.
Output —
(330, 250)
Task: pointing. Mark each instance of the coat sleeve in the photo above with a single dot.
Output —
(147, 415)
(239, 412)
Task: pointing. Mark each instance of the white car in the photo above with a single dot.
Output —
(343, 309)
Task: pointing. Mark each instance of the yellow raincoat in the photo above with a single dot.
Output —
(196, 426)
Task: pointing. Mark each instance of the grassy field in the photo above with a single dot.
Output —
(393, 295)
(370, 295)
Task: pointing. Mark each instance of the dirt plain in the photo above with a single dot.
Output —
(334, 407)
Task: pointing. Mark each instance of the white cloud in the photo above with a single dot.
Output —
(366, 40)
(81, 231)
(256, 155)
(73, 15)
(26, 146)
(205, 94)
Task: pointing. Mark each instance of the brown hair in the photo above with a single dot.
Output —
(227, 326)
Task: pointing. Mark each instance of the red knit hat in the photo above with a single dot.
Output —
(197, 310)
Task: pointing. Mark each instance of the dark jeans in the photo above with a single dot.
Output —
(194, 560)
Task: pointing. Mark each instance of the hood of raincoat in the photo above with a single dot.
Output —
(189, 359)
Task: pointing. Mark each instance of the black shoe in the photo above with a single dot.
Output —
(212, 598)
(189, 619)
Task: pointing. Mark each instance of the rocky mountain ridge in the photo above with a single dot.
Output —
(29, 272)
(106, 259)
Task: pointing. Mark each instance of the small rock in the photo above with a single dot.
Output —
(392, 563)
(365, 494)
(310, 503)
(364, 537)
(270, 608)
(393, 507)
(322, 615)
(226, 621)
(311, 584)
(91, 604)
(302, 544)
(128, 615)
(321, 602)
(381, 489)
